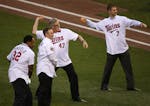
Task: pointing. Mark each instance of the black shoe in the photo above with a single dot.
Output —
(106, 89)
(79, 100)
(133, 89)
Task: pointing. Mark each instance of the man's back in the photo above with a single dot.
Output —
(20, 58)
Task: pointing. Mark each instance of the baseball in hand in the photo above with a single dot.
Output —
(83, 20)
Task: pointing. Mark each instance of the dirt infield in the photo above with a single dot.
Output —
(83, 7)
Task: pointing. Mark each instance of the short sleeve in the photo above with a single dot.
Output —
(72, 35)
(10, 55)
(39, 34)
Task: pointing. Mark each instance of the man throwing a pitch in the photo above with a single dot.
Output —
(61, 39)
(114, 28)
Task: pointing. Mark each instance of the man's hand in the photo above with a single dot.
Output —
(143, 25)
(82, 41)
(85, 44)
(40, 17)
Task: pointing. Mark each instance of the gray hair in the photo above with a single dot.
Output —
(52, 22)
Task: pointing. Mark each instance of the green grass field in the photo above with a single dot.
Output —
(89, 65)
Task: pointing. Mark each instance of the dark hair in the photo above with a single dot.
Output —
(52, 22)
(109, 6)
(45, 30)
(27, 38)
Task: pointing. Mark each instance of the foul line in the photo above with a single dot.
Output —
(65, 22)
(75, 14)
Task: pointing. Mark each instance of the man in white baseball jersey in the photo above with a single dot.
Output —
(46, 63)
(61, 39)
(20, 70)
(114, 28)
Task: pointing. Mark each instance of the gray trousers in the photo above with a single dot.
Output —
(126, 64)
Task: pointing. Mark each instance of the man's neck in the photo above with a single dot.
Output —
(55, 31)
(49, 37)
(112, 16)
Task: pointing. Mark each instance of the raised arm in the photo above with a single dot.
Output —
(36, 23)
(83, 42)
(91, 24)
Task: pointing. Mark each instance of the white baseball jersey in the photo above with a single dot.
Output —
(61, 43)
(44, 63)
(115, 32)
(20, 58)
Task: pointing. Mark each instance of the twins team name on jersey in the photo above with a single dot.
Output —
(112, 27)
(57, 39)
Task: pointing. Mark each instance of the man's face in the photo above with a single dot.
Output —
(50, 33)
(56, 26)
(32, 43)
(113, 12)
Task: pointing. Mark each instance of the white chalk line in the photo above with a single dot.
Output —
(65, 22)
(74, 14)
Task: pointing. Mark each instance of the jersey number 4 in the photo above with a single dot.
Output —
(16, 55)
(62, 45)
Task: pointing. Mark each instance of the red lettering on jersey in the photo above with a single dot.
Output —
(57, 39)
(112, 27)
